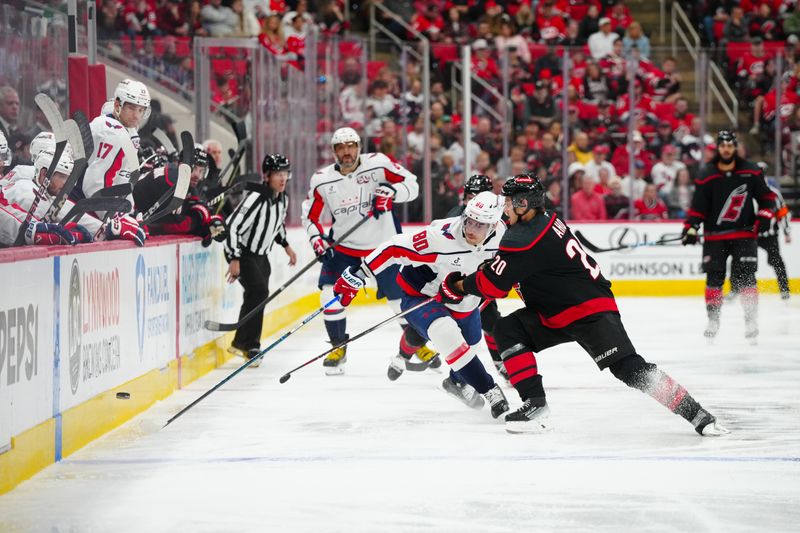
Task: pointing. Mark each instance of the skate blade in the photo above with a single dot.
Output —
(334, 371)
(255, 364)
(477, 405)
(527, 427)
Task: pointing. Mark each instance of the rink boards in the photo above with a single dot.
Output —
(79, 325)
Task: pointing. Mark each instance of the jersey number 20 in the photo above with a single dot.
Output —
(574, 247)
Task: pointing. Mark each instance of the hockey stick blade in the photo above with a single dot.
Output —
(94, 204)
(165, 142)
(78, 134)
(114, 191)
(218, 326)
(284, 378)
(187, 148)
(173, 198)
(596, 249)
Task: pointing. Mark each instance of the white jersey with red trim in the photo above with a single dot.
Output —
(20, 192)
(115, 149)
(429, 255)
(348, 199)
(11, 218)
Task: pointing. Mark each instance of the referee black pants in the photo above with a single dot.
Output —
(254, 273)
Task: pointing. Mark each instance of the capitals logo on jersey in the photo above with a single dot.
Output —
(732, 209)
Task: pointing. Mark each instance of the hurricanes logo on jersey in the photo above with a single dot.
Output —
(732, 209)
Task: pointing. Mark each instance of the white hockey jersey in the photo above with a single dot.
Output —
(114, 157)
(20, 192)
(11, 218)
(429, 255)
(348, 199)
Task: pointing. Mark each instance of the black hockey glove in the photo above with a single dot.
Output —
(689, 235)
(448, 293)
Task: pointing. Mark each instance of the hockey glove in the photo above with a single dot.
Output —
(764, 222)
(347, 286)
(216, 227)
(321, 249)
(689, 235)
(81, 234)
(125, 227)
(46, 234)
(448, 293)
(382, 200)
(200, 215)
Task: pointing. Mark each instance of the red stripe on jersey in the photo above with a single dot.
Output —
(731, 236)
(769, 196)
(693, 213)
(108, 179)
(713, 296)
(407, 288)
(457, 354)
(392, 177)
(516, 378)
(166, 176)
(520, 362)
(490, 342)
(746, 171)
(700, 181)
(352, 252)
(537, 239)
(576, 312)
(487, 288)
(398, 251)
(316, 211)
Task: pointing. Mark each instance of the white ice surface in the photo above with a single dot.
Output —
(358, 453)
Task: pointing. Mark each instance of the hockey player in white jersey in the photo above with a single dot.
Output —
(44, 140)
(356, 186)
(116, 139)
(457, 244)
(5, 155)
(21, 192)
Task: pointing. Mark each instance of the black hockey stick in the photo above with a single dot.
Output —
(94, 204)
(286, 376)
(60, 132)
(218, 326)
(598, 250)
(173, 198)
(82, 146)
(114, 191)
(249, 362)
(242, 182)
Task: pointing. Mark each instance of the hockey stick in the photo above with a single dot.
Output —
(596, 249)
(60, 132)
(174, 198)
(242, 182)
(114, 191)
(237, 158)
(249, 362)
(286, 376)
(96, 203)
(162, 138)
(80, 139)
(217, 326)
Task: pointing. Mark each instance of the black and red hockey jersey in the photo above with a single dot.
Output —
(556, 277)
(723, 201)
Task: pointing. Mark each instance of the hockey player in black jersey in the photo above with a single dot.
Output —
(478, 183)
(566, 299)
(723, 203)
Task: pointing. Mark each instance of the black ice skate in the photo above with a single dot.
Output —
(463, 392)
(253, 354)
(706, 425)
(751, 331)
(397, 364)
(532, 417)
(497, 401)
(712, 328)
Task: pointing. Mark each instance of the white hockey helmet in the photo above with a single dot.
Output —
(45, 158)
(134, 92)
(345, 135)
(484, 208)
(5, 151)
(42, 141)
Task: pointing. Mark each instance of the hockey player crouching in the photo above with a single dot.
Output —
(356, 186)
(566, 299)
(445, 246)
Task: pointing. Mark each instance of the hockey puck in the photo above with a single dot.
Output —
(123, 395)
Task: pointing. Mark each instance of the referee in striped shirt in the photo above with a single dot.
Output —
(257, 223)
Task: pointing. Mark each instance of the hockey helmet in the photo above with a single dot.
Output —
(485, 208)
(727, 136)
(200, 156)
(45, 158)
(275, 163)
(477, 183)
(42, 141)
(134, 92)
(525, 186)
(5, 151)
(345, 135)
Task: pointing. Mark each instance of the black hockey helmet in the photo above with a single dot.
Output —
(525, 186)
(274, 163)
(477, 183)
(200, 156)
(727, 136)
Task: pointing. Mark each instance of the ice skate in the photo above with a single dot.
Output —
(426, 358)
(334, 361)
(463, 392)
(751, 331)
(497, 401)
(253, 354)
(706, 425)
(529, 418)
(712, 328)
(397, 364)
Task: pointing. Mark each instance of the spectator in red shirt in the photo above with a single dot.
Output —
(171, 20)
(551, 24)
(620, 16)
(621, 156)
(429, 22)
(586, 204)
(482, 63)
(650, 206)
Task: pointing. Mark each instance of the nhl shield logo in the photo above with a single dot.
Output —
(75, 322)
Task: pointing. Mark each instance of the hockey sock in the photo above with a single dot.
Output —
(713, 301)
(410, 342)
(491, 344)
(473, 373)
(637, 373)
(337, 329)
(523, 372)
(749, 298)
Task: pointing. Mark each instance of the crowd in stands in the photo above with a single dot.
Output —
(599, 37)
